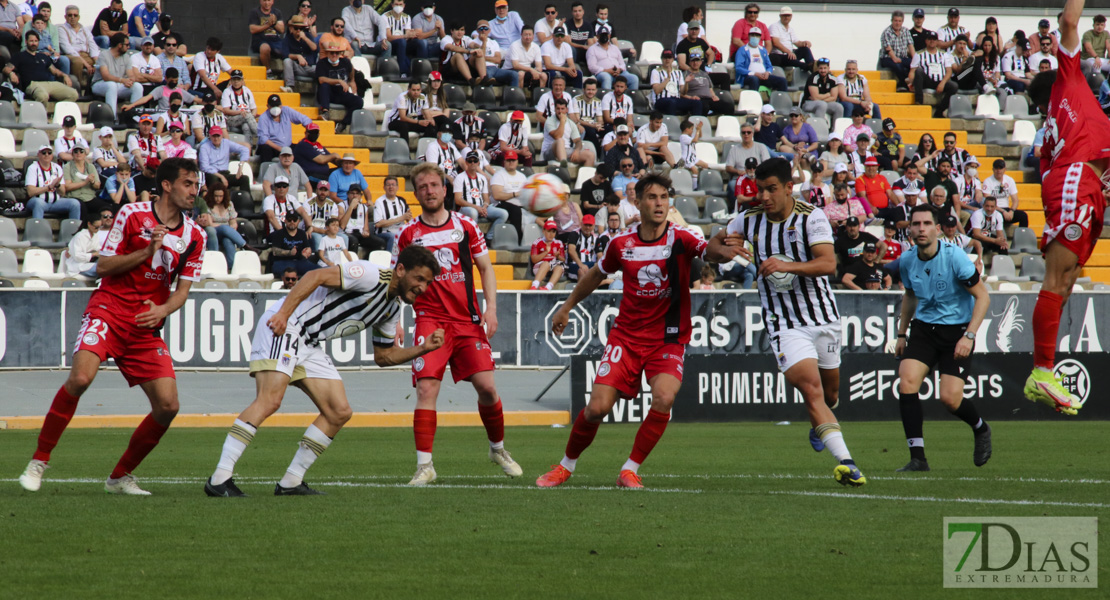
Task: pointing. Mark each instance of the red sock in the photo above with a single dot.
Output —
(145, 438)
(581, 435)
(494, 420)
(61, 412)
(424, 429)
(655, 423)
(1046, 328)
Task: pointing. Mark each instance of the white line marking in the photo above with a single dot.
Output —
(936, 499)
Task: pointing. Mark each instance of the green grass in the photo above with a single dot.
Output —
(726, 515)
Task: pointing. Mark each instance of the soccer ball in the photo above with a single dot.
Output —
(782, 282)
(543, 194)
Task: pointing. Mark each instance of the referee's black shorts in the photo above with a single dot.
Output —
(935, 345)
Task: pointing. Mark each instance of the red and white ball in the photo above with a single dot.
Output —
(543, 194)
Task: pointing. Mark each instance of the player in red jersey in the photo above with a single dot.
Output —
(150, 245)
(451, 304)
(1075, 176)
(650, 333)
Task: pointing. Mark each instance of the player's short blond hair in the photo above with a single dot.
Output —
(426, 168)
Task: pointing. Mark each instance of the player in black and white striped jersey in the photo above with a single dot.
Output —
(792, 244)
(288, 349)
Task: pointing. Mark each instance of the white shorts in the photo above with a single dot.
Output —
(288, 353)
(821, 342)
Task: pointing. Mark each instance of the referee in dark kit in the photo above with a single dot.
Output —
(947, 302)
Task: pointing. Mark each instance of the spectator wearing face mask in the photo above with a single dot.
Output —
(313, 157)
(275, 129)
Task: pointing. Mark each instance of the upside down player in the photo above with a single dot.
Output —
(1075, 163)
(150, 245)
(287, 348)
(650, 334)
(451, 304)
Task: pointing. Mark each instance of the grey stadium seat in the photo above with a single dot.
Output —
(688, 208)
(994, 132)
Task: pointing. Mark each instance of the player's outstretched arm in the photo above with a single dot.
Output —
(329, 277)
(1069, 24)
(388, 356)
(586, 285)
(725, 246)
(489, 293)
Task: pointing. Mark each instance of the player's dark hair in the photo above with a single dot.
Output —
(924, 208)
(655, 116)
(688, 13)
(778, 168)
(1040, 89)
(653, 179)
(31, 33)
(214, 43)
(170, 170)
(562, 102)
(414, 256)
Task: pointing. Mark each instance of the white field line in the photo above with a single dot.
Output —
(865, 496)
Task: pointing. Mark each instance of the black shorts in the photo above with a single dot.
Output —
(935, 345)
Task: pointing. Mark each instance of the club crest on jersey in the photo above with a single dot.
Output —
(179, 245)
(115, 236)
(418, 364)
(456, 236)
(603, 370)
(791, 235)
(147, 223)
(666, 251)
(355, 271)
(1073, 232)
(446, 258)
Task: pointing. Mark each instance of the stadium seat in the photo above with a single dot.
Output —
(484, 97)
(891, 177)
(876, 125)
(68, 229)
(840, 125)
(532, 232)
(751, 102)
(419, 69)
(36, 284)
(1007, 286)
(728, 128)
(560, 172)
(248, 266)
(388, 68)
(714, 229)
(9, 235)
(1017, 106)
(362, 65)
(9, 266)
(1025, 132)
(705, 152)
(674, 126)
(215, 266)
(241, 139)
(70, 109)
(244, 205)
(1099, 287)
(380, 258)
(987, 108)
(683, 182)
(716, 210)
(710, 182)
(513, 98)
(1003, 269)
(250, 285)
(1033, 267)
(994, 132)
(537, 92)
(38, 263)
(7, 116)
(213, 284)
(639, 101)
(7, 145)
(364, 123)
(639, 120)
(34, 114)
(821, 127)
(504, 237)
(456, 97)
(782, 102)
(651, 53)
(33, 139)
(102, 115)
(1025, 242)
(40, 234)
(397, 152)
(422, 146)
(75, 283)
(911, 149)
(688, 208)
(584, 173)
(389, 92)
(368, 101)
(960, 108)
(706, 128)
(625, 46)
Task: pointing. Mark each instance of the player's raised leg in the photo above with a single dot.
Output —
(582, 434)
(62, 409)
(329, 396)
(270, 389)
(1062, 269)
(664, 388)
(493, 419)
(162, 393)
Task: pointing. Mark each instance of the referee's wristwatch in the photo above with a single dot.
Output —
(970, 335)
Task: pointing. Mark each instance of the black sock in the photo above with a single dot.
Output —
(913, 423)
(967, 413)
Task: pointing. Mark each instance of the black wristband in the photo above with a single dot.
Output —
(901, 335)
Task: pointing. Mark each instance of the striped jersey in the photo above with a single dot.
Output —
(621, 107)
(407, 105)
(933, 64)
(674, 80)
(810, 300)
(854, 87)
(474, 190)
(586, 108)
(396, 23)
(322, 211)
(456, 244)
(362, 300)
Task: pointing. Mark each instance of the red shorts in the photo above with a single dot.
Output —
(140, 354)
(465, 347)
(1073, 208)
(625, 362)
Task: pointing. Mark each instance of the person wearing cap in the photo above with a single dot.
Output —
(45, 183)
(873, 187)
(335, 78)
(1096, 47)
(239, 108)
(472, 194)
(107, 156)
(165, 96)
(623, 149)
(489, 58)
(208, 66)
(146, 67)
(207, 117)
(275, 128)
(407, 114)
(429, 28)
(365, 29)
(293, 173)
(1004, 189)
(581, 248)
(547, 257)
(504, 188)
(214, 157)
(470, 122)
(144, 144)
(321, 209)
(312, 156)
(558, 58)
(506, 26)
(850, 242)
(889, 148)
(513, 136)
(690, 13)
(605, 62)
(545, 27)
(971, 189)
(171, 57)
(909, 189)
(897, 48)
(398, 32)
(165, 30)
(946, 36)
(34, 72)
(787, 49)
(668, 87)
(141, 21)
(267, 28)
(941, 173)
(81, 180)
(176, 146)
(965, 66)
(1016, 67)
(344, 177)
(742, 29)
(745, 189)
(563, 142)
(290, 246)
(931, 70)
(693, 43)
(80, 47)
(302, 53)
(699, 86)
(865, 269)
(526, 58)
(820, 95)
(67, 140)
(950, 230)
(357, 220)
(858, 157)
(280, 203)
(753, 66)
(799, 135)
(769, 133)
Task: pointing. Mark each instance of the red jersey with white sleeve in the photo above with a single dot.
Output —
(181, 255)
(558, 251)
(1076, 130)
(456, 244)
(655, 306)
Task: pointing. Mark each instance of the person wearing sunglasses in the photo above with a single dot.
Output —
(742, 27)
(171, 57)
(289, 278)
(304, 9)
(335, 36)
(165, 29)
(45, 185)
(80, 45)
(545, 27)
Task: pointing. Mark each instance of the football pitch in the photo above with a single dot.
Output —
(729, 511)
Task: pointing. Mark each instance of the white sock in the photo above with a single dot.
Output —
(311, 447)
(549, 286)
(834, 441)
(915, 442)
(1045, 369)
(535, 283)
(568, 463)
(497, 445)
(631, 465)
(237, 440)
(423, 458)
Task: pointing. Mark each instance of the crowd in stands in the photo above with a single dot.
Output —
(593, 105)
